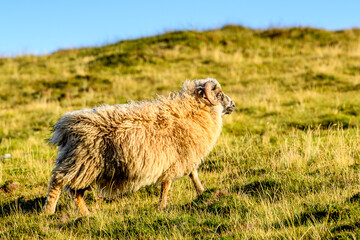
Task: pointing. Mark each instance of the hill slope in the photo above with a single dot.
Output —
(286, 165)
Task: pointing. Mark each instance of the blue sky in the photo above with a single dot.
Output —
(39, 27)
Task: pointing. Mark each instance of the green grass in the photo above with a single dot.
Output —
(286, 166)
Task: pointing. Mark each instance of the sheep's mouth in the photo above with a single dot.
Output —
(228, 110)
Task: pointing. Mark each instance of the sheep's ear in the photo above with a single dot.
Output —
(209, 93)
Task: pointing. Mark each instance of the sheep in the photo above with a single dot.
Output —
(124, 147)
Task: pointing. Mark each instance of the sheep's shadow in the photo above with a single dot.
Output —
(22, 205)
(216, 202)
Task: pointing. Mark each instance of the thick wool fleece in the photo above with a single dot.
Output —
(121, 148)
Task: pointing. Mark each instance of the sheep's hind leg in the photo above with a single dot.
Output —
(196, 181)
(52, 196)
(165, 186)
(78, 197)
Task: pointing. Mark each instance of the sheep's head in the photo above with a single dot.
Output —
(209, 91)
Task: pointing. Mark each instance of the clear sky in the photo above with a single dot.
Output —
(38, 27)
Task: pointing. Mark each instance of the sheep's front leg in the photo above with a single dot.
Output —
(78, 197)
(197, 184)
(165, 186)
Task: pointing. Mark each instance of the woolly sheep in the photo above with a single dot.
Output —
(124, 147)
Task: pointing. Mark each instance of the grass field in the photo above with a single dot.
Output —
(286, 166)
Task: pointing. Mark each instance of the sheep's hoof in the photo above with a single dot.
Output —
(48, 210)
(161, 206)
(85, 212)
(200, 191)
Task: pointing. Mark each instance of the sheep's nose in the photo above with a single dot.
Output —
(230, 108)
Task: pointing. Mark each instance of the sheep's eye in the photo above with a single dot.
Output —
(201, 93)
(221, 96)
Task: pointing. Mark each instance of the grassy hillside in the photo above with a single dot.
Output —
(287, 164)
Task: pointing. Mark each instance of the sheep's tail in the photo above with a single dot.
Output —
(61, 132)
(85, 124)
